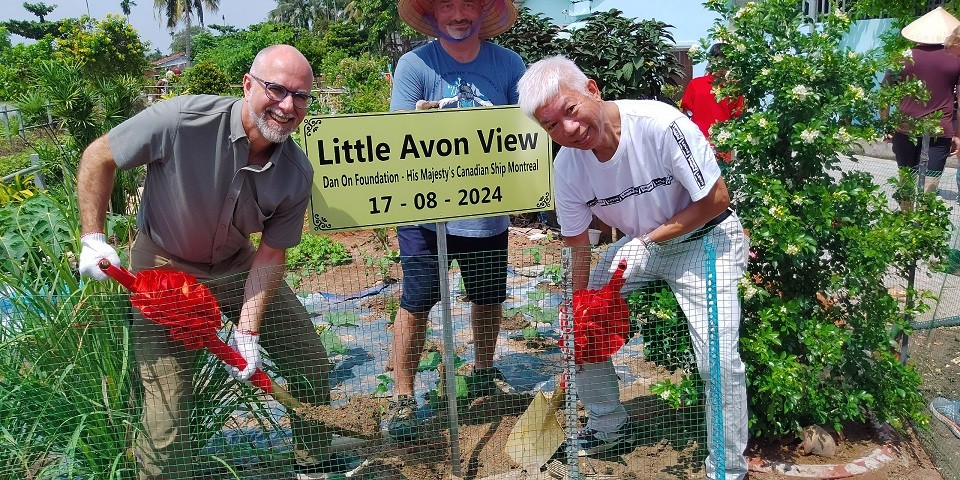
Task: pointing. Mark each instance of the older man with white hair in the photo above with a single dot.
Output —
(643, 167)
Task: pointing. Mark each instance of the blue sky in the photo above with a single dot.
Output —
(239, 13)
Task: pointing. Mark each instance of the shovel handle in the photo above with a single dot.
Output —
(118, 273)
(259, 379)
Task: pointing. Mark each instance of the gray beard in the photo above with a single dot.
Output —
(271, 133)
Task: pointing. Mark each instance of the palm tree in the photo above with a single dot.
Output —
(307, 14)
(175, 10)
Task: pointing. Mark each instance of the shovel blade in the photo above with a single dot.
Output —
(537, 434)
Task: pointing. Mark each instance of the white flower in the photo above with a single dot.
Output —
(723, 136)
(792, 249)
(778, 57)
(764, 72)
(842, 135)
(783, 310)
(741, 48)
(800, 91)
(797, 200)
(808, 136)
(851, 55)
(908, 53)
(749, 290)
(857, 92)
(762, 123)
(694, 49)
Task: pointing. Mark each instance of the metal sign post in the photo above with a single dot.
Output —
(431, 166)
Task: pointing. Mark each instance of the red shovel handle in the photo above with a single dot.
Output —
(118, 273)
(231, 357)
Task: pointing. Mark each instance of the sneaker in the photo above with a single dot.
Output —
(947, 412)
(402, 422)
(335, 466)
(593, 442)
(486, 382)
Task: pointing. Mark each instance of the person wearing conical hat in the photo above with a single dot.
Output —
(940, 73)
(952, 43)
(461, 68)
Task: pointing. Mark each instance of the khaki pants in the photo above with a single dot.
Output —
(163, 446)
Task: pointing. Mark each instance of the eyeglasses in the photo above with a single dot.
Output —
(278, 93)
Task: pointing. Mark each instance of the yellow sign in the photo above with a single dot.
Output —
(378, 170)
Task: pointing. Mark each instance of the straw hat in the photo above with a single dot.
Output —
(498, 16)
(931, 28)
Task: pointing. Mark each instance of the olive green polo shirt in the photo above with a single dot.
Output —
(201, 201)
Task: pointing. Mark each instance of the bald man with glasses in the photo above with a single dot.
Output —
(218, 170)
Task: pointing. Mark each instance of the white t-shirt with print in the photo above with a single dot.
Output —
(662, 165)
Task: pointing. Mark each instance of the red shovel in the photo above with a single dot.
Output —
(176, 300)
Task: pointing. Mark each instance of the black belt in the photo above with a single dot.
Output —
(705, 229)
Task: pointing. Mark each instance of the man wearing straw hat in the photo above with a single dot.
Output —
(940, 73)
(459, 69)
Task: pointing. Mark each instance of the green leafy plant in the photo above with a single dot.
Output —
(685, 393)
(334, 321)
(554, 272)
(534, 310)
(383, 386)
(666, 338)
(628, 58)
(819, 326)
(436, 397)
(535, 254)
(314, 253)
(206, 77)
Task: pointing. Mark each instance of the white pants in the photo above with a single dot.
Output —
(683, 265)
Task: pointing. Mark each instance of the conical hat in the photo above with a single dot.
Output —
(498, 16)
(931, 28)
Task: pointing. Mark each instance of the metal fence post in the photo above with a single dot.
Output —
(570, 367)
(6, 124)
(38, 173)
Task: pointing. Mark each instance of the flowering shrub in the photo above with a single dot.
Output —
(819, 326)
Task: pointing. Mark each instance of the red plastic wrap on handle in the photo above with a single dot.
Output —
(216, 346)
(231, 357)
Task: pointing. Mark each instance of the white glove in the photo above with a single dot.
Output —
(248, 346)
(635, 253)
(96, 248)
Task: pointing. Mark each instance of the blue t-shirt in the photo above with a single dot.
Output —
(430, 73)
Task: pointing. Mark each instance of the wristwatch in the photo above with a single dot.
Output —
(649, 243)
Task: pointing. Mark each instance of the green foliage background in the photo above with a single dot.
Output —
(820, 330)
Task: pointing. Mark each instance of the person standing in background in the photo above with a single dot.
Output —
(930, 63)
(700, 102)
(459, 69)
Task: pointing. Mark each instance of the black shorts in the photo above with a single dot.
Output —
(908, 153)
(482, 261)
